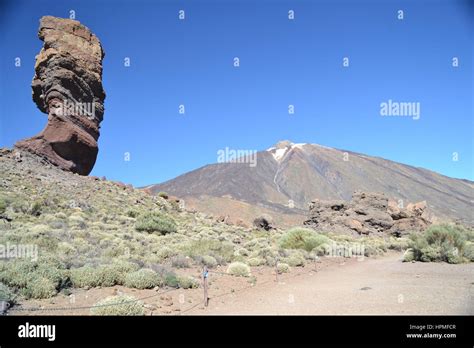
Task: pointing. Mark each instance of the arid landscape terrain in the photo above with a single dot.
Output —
(91, 246)
(299, 228)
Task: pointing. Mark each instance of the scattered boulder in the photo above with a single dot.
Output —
(223, 218)
(367, 213)
(68, 87)
(264, 222)
(5, 151)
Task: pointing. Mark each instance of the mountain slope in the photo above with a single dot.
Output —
(302, 172)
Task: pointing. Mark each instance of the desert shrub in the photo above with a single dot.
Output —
(430, 253)
(39, 287)
(34, 279)
(118, 305)
(453, 256)
(20, 206)
(209, 261)
(256, 261)
(443, 242)
(206, 260)
(188, 283)
(57, 224)
(163, 195)
(238, 269)
(440, 234)
(163, 252)
(469, 251)
(266, 253)
(171, 280)
(409, 255)
(180, 261)
(371, 250)
(125, 266)
(132, 213)
(302, 238)
(116, 272)
(167, 277)
(104, 275)
(36, 208)
(86, 276)
(295, 260)
(16, 273)
(156, 222)
(108, 275)
(76, 220)
(283, 268)
(398, 244)
(3, 205)
(61, 215)
(210, 247)
(142, 279)
(6, 296)
(241, 252)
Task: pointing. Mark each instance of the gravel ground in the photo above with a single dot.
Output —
(372, 286)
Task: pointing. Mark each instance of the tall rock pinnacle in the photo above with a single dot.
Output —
(68, 87)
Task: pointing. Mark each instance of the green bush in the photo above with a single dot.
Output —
(180, 261)
(445, 243)
(469, 251)
(453, 256)
(6, 295)
(16, 273)
(210, 247)
(142, 279)
(431, 253)
(39, 287)
(86, 276)
(163, 195)
(124, 267)
(118, 305)
(302, 238)
(171, 280)
(295, 260)
(36, 208)
(398, 244)
(156, 222)
(238, 269)
(167, 277)
(3, 205)
(188, 283)
(115, 273)
(104, 275)
(283, 268)
(34, 279)
(132, 213)
(409, 255)
(256, 261)
(209, 261)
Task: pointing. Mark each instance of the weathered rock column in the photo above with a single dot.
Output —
(68, 87)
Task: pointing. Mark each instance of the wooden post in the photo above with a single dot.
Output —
(276, 269)
(205, 275)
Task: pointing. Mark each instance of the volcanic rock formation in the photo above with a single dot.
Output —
(368, 213)
(68, 87)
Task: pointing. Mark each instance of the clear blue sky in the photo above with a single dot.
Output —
(283, 62)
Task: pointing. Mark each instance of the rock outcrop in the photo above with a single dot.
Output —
(368, 213)
(68, 87)
(264, 222)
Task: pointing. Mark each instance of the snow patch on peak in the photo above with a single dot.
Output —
(278, 154)
(299, 145)
(282, 148)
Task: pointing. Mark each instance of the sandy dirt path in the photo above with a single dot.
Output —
(373, 286)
